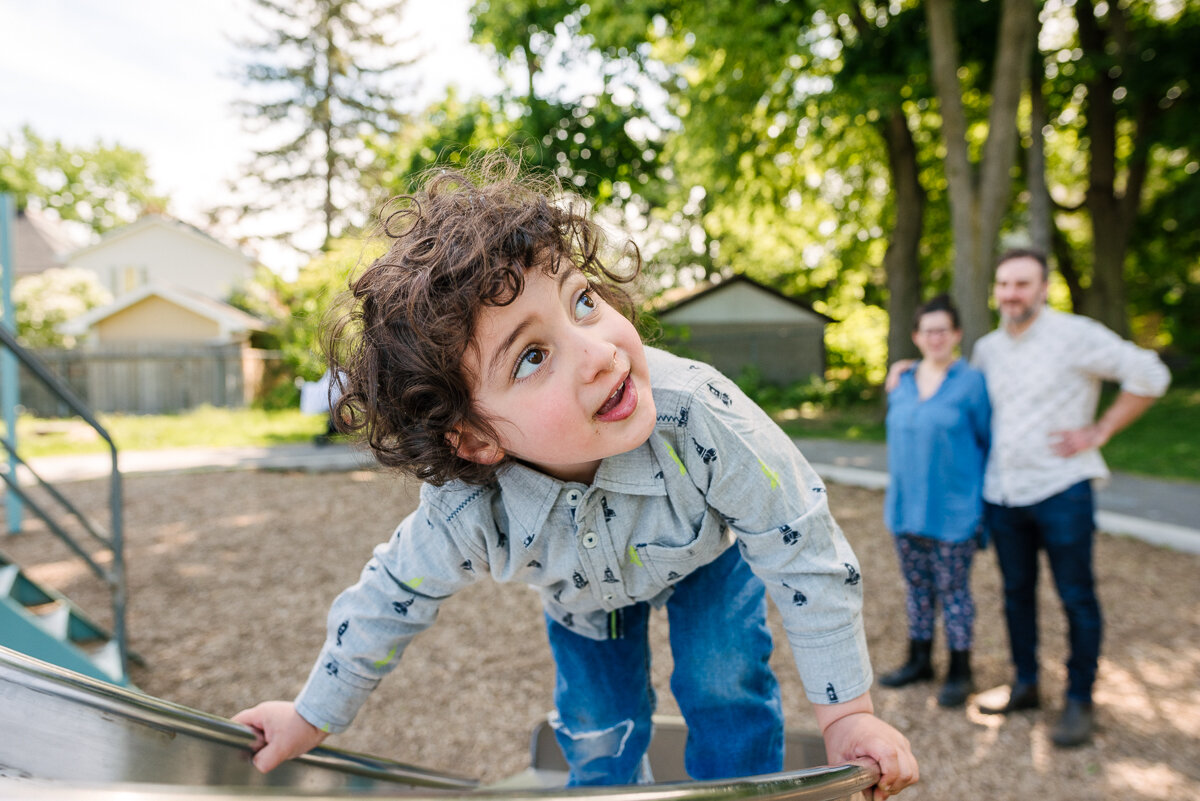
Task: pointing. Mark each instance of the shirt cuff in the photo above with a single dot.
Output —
(833, 667)
(332, 696)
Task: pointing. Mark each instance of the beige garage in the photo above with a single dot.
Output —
(739, 322)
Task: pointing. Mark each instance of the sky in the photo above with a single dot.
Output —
(155, 76)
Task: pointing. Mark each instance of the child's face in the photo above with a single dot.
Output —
(562, 377)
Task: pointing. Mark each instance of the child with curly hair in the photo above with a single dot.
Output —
(491, 354)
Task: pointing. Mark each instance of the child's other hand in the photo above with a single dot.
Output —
(281, 734)
(860, 734)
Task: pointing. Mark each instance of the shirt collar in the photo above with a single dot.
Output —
(529, 494)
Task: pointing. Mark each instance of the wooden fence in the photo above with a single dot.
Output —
(150, 379)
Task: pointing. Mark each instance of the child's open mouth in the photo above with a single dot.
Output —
(620, 404)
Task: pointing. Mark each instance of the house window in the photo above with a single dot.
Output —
(131, 277)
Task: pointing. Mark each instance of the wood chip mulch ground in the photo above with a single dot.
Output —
(230, 574)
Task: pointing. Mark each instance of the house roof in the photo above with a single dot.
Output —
(674, 300)
(147, 221)
(229, 319)
(39, 243)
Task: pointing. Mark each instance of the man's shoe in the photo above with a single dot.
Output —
(1021, 696)
(1076, 724)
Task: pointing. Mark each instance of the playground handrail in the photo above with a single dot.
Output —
(114, 575)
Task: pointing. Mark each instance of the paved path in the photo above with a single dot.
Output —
(1157, 511)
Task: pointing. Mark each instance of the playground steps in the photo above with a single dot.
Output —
(41, 623)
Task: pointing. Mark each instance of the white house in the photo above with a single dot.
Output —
(168, 340)
(161, 251)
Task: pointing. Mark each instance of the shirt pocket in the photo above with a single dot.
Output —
(668, 563)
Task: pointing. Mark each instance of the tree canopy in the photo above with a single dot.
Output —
(103, 186)
(861, 155)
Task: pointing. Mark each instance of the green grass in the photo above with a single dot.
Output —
(202, 427)
(863, 422)
(1164, 442)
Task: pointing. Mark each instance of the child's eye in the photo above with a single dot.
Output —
(529, 362)
(585, 305)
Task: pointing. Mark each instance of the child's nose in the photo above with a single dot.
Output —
(600, 358)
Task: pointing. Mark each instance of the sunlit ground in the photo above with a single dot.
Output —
(230, 575)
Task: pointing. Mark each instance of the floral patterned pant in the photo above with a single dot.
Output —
(938, 573)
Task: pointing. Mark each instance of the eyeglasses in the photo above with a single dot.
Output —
(935, 332)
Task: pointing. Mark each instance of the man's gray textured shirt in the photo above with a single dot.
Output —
(1045, 380)
(715, 471)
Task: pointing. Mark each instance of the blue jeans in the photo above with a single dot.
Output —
(726, 690)
(1063, 525)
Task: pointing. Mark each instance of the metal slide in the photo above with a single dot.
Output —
(68, 737)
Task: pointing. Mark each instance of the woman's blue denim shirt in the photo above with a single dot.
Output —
(716, 470)
(937, 449)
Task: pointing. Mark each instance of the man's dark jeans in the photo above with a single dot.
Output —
(1064, 525)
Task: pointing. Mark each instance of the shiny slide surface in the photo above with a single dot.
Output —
(67, 736)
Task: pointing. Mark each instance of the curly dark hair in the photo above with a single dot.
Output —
(462, 241)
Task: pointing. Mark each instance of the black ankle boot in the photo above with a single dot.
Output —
(917, 668)
(958, 680)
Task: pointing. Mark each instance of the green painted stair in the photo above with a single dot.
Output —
(41, 623)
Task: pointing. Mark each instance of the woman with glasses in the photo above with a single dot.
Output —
(938, 425)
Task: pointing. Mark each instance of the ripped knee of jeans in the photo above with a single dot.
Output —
(595, 743)
(593, 753)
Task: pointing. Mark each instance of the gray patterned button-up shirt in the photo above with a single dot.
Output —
(715, 471)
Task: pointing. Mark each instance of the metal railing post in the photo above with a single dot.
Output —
(10, 394)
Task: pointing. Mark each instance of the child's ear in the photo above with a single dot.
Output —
(469, 445)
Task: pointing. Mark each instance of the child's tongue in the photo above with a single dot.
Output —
(612, 401)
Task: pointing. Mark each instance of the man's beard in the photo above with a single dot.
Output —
(1023, 316)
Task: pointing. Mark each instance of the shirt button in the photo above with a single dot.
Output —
(590, 539)
(608, 597)
(573, 497)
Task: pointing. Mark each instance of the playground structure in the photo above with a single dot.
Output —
(35, 619)
(68, 736)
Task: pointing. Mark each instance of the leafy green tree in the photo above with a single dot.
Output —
(777, 159)
(296, 310)
(324, 75)
(599, 137)
(1120, 89)
(44, 301)
(864, 153)
(103, 186)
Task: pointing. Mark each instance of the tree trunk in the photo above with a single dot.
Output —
(325, 117)
(943, 51)
(1112, 211)
(901, 262)
(1068, 270)
(977, 208)
(1040, 207)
